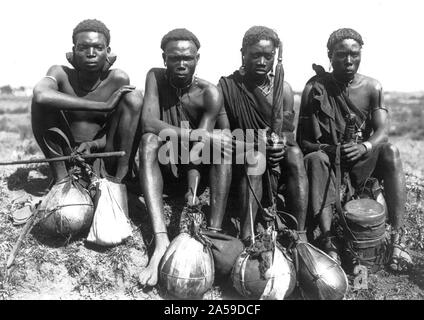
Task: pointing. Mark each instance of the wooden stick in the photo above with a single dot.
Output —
(66, 158)
(195, 189)
(251, 223)
(27, 228)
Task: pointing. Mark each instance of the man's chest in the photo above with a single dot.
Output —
(100, 91)
(100, 94)
(360, 98)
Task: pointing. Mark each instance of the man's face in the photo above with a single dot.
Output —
(259, 58)
(181, 59)
(346, 58)
(90, 51)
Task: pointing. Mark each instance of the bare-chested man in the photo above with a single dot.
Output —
(326, 100)
(94, 107)
(174, 98)
(248, 104)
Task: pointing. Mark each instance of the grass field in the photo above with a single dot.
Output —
(51, 268)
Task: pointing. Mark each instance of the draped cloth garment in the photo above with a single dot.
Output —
(247, 108)
(324, 115)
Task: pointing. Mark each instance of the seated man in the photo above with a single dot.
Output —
(176, 102)
(326, 101)
(248, 101)
(89, 107)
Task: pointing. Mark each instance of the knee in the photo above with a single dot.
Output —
(149, 143)
(255, 163)
(316, 159)
(390, 153)
(294, 157)
(133, 102)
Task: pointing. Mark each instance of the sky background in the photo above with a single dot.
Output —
(36, 34)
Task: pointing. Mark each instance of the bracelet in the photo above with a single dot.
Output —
(215, 229)
(368, 146)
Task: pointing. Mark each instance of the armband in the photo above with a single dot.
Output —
(368, 146)
(51, 78)
(380, 108)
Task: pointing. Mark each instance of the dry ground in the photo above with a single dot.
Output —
(51, 268)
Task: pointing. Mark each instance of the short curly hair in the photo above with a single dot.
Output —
(91, 25)
(340, 35)
(179, 34)
(258, 33)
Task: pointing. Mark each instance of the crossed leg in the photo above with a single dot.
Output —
(152, 186)
(52, 145)
(124, 134)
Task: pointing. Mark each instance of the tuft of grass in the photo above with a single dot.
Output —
(93, 282)
(132, 289)
(407, 117)
(118, 258)
(74, 263)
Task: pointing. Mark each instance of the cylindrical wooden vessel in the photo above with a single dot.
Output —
(366, 218)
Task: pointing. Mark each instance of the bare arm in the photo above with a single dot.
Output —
(379, 122)
(276, 152)
(212, 103)
(93, 146)
(223, 123)
(304, 132)
(47, 93)
(379, 117)
(150, 115)
(212, 106)
(288, 103)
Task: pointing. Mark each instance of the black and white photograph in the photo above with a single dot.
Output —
(222, 151)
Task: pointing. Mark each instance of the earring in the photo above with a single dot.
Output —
(242, 70)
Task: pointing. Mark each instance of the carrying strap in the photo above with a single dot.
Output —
(339, 209)
(275, 218)
(270, 284)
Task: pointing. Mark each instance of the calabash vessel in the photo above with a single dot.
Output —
(320, 277)
(67, 209)
(186, 270)
(275, 280)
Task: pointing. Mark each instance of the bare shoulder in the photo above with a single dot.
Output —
(373, 86)
(210, 92)
(59, 72)
(307, 89)
(153, 73)
(287, 88)
(119, 76)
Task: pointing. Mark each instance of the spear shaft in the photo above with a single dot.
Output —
(67, 158)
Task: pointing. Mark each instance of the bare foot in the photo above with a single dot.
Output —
(149, 276)
(331, 249)
(400, 260)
